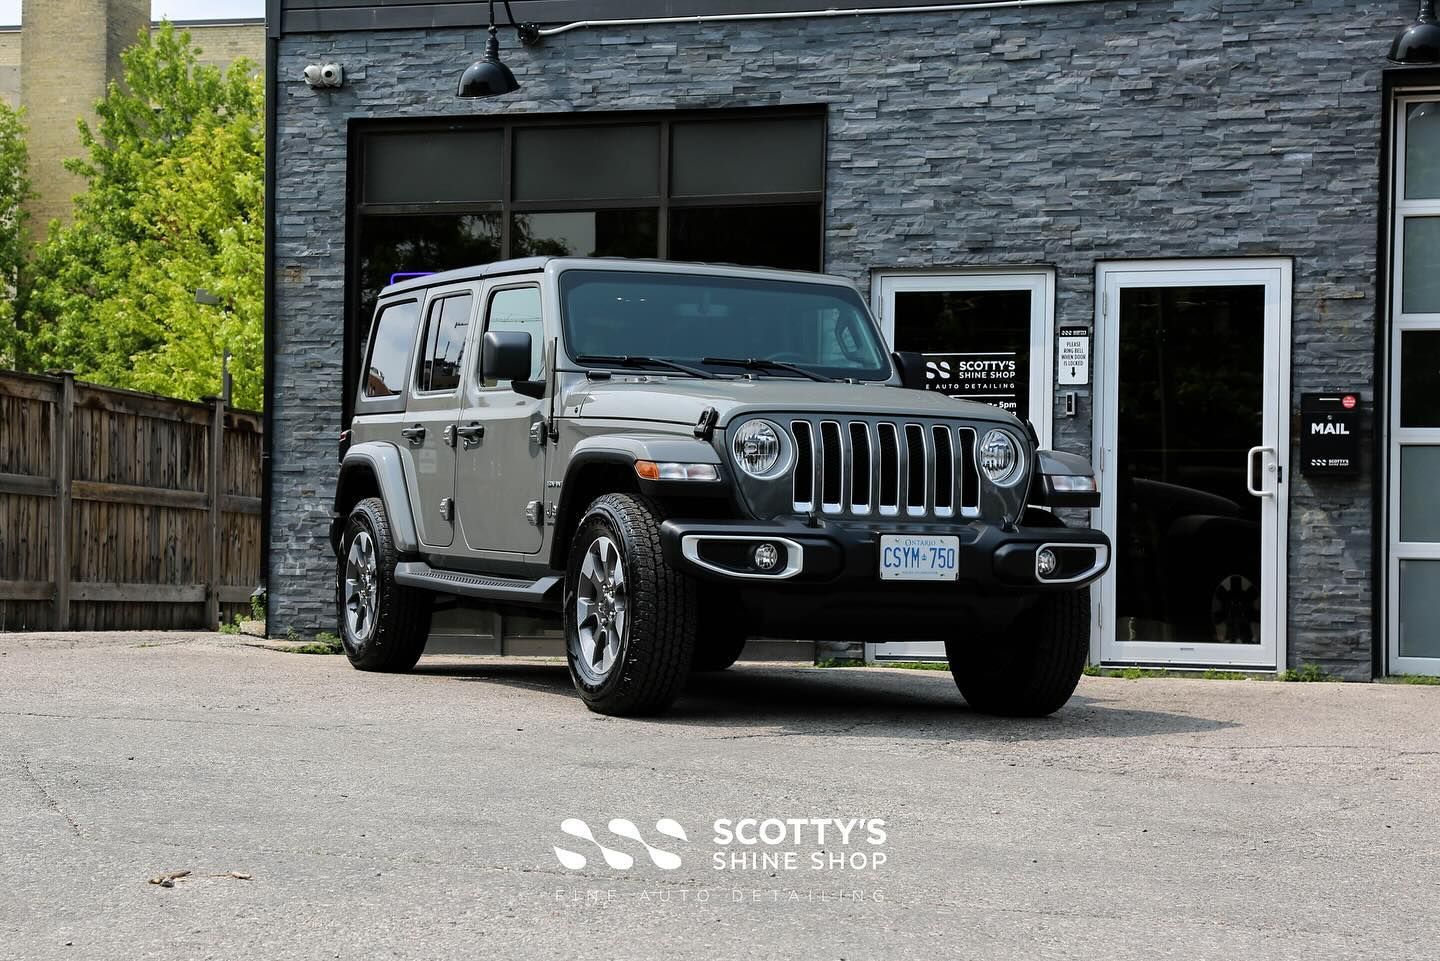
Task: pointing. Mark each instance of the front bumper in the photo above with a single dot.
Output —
(847, 554)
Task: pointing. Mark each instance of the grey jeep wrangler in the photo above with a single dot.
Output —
(673, 458)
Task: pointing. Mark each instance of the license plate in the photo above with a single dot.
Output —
(919, 557)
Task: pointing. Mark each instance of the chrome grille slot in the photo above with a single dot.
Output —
(804, 466)
(889, 470)
(944, 471)
(916, 469)
(892, 468)
(833, 462)
(859, 468)
(969, 471)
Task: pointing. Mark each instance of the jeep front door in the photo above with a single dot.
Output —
(501, 454)
(426, 432)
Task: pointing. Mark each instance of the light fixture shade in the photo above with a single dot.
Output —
(1418, 43)
(488, 77)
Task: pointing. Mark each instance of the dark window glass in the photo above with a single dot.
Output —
(715, 157)
(786, 236)
(976, 343)
(587, 163)
(519, 309)
(445, 331)
(387, 359)
(421, 245)
(433, 166)
(1420, 378)
(586, 233)
(688, 317)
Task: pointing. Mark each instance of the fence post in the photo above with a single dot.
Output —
(215, 496)
(60, 525)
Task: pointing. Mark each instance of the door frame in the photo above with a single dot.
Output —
(1275, 274)
(1396, 436)
(1039, 280)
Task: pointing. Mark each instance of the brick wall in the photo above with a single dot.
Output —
(10, 65)
(1059, 135)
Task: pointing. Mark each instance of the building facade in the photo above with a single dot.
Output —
(1161, 229)
(60, 62)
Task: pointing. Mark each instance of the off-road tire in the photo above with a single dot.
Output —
(1030, 669)
(402, 622)
(658, 643)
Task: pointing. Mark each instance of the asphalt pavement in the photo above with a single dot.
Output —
(779, 811)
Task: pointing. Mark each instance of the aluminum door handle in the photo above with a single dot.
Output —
(415, 435)
(471, 434)
(1250, 472)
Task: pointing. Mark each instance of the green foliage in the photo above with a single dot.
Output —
(324, 643)
(1306, 672)
(175, 202)
(14, 190)
(839, 662)
(1424, 680)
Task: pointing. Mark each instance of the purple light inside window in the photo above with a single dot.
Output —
(409, 275)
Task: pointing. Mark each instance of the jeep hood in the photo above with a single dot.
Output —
(680, 401)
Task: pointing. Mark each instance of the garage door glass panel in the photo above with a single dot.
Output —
(589, 233)
(786, 236)
(1422, 151)
(1420, 493)
(976, 343)
(714, 158)
(1191, 400)
(591, 163)
(1419, 614)
(399, 245)
(1420, 378)
(439, 167)
(1420, 283)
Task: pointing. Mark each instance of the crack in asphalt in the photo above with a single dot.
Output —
(27, 773)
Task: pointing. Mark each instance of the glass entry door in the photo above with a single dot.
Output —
(987, 335)
(1192, 431)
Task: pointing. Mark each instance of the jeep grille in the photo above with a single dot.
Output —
(890, 468)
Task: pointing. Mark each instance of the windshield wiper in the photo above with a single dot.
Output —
(625, 360)
(760, 363)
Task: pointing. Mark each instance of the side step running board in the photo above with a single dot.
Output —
(484, 587)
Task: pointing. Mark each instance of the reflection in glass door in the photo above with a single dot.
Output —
(1193, 437)
(1414, 438)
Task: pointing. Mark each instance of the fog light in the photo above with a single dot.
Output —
(766, 557)
(1045, 562)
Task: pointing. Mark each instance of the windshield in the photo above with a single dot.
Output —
(690, 317)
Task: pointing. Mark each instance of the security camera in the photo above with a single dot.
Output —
(324, 75)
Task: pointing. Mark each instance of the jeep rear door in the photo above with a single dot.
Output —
(427, 434)
(501, 457)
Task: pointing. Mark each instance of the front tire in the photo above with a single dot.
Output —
(383, 626)
(630, 621)
(1032, 668)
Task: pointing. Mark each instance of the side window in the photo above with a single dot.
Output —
(519, 309)
(444, 343)
(389, 354)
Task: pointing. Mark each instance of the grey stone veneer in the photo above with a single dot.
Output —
(1060, 135)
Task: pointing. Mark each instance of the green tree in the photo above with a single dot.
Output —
(14, 191)
(174, 202)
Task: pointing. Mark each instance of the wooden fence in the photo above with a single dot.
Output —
(121, 510)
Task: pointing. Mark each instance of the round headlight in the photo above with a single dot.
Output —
(1000, 459)
(757, 447)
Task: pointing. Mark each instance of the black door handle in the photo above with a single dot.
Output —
(415, 435)
(471, 434)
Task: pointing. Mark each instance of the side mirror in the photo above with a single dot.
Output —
(505, 355)
(911, 364)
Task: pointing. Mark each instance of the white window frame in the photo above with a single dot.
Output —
(1397, 436)
(1039, 281)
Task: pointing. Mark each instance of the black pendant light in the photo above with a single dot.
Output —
(1418, 43)
(488, 77)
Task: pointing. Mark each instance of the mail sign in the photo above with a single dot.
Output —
(1330, 433)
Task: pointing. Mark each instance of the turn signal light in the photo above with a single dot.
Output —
(651, 470)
